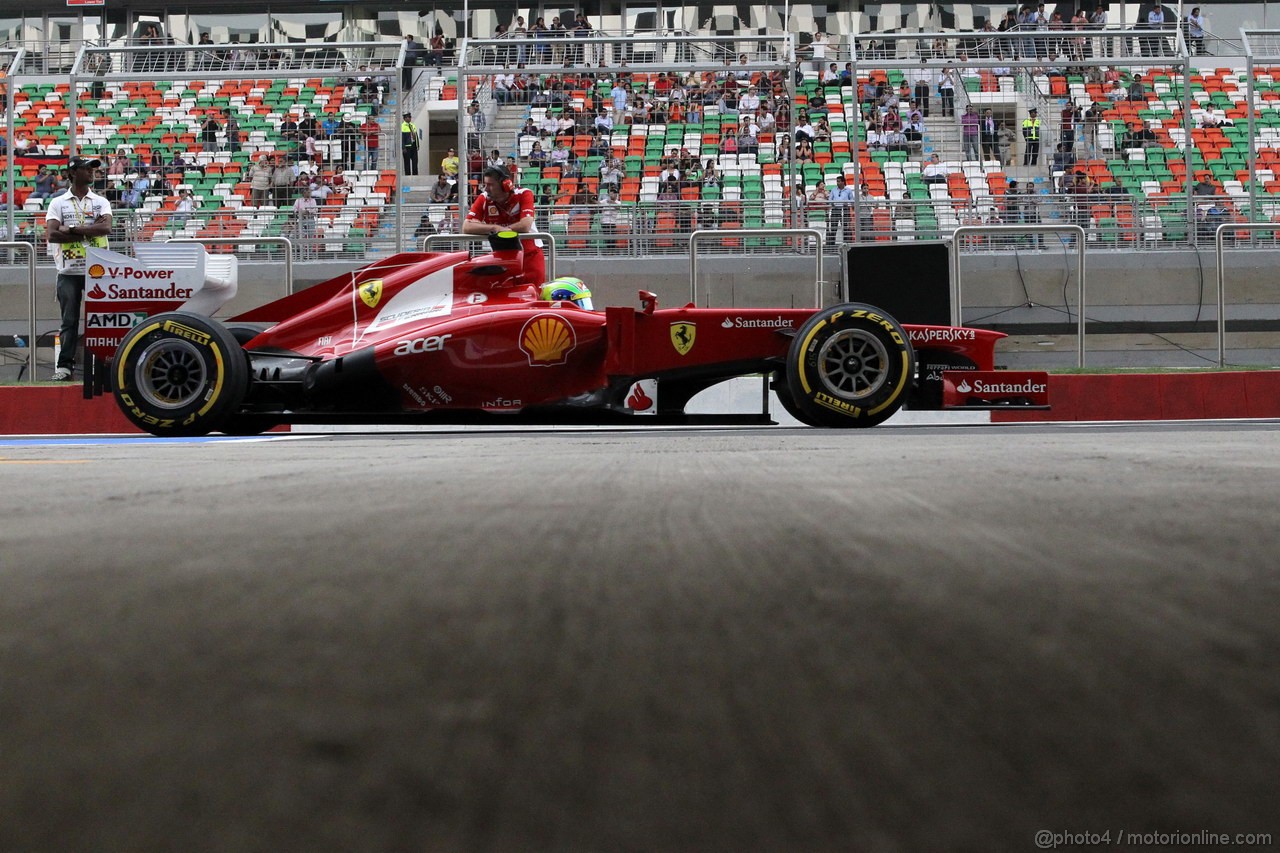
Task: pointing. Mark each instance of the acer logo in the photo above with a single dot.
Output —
(434, 343)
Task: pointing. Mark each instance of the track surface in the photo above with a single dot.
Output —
(901, 639)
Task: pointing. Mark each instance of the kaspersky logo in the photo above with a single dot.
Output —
(371, 292)
(547, 339)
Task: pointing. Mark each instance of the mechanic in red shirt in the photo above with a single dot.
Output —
(505, 207)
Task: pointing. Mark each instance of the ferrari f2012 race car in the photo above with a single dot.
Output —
(447, 337)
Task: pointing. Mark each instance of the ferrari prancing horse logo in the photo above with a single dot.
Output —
(683, 335)
(371, 292)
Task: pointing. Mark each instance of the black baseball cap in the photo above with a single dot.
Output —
(78, 162)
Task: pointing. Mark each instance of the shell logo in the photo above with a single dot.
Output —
(547, 339)
(97, 271)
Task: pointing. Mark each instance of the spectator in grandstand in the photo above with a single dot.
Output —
(1137, 89)
(305, 220)
(435, 50)
(443, 190)
(476, 124)
(875, 137)
(947, 91)
(603, 122)
(260, 179)
(282, 182)
(611, 173)
(894, 140)
(817, 201)
(840, 203)
(749, 136)
(922, 80)
(209, 132)
(989, 135)
(475, 164)
(870, 94)
(537, 156)
(830, 78)
(610, 211)
(1070, 117)
(1155, 21)
(559, 154)
(371, 134)
(670, 172)
(1031, 138)
(729, 142)
(130, 196)
(1141, 136)
(43, 183)
(970, 132)
(232, 127)
(818, 50)
(183, 207)
(1195, 31)
(750, 100)
(804, 151)
(567, 124)
(1063, 158)
(913, 130)
(449, 164)
(1204, 187)
(75, 221)
(496, 159)
(934, 171)
(620, 96)
(410, 140)
(529, 129)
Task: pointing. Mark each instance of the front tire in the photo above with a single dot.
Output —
(849, 366)
(179, 374)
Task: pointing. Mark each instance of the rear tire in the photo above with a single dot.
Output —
(849, 366)
(179, 374)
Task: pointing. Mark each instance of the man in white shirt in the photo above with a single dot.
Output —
(76, 220)
(934, 172)
(604, 122)
(750, 102)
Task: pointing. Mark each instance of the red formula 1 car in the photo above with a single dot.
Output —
(451, 338)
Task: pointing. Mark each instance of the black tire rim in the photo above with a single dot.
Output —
(853, 364)
(171, 373)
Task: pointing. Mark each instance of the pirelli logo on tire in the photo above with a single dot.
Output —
(187, 332)
(836, 405)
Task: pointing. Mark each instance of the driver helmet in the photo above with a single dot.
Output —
(566, 288)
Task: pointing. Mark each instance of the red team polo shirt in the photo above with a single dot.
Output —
(517, 207)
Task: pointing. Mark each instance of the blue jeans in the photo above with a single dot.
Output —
(70, 294)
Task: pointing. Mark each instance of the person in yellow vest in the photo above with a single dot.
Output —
(410, 138)
(1031, 135)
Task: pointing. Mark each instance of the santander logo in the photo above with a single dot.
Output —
(727, 324)
(97, 292)
(639, 401)
(964, 387)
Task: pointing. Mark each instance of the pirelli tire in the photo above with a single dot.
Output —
(179, 374)
(849, 366)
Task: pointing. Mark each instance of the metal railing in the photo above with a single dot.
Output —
(1218, 242)
(733, 233)
(31, 285)
(1074, 230)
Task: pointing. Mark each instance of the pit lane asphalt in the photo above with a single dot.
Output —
(914, 638)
